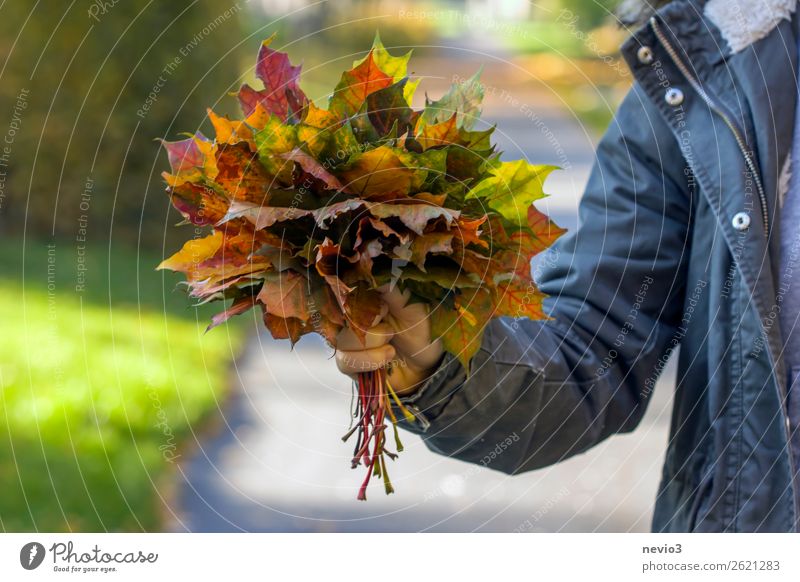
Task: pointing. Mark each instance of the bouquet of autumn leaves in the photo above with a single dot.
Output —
(312, 210)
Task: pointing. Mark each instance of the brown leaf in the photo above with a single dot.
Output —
(437, 242)
(289, 328)
(362, 310)
(414, 216)
(377, 172)
(286, 295)
(327, 214)
(263, 216)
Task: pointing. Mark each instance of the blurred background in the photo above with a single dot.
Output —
(117, 412)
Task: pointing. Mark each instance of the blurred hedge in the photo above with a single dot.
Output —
(83, 157)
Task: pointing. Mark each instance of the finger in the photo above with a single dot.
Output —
(355, 362)
(394, 298)
(376, 336)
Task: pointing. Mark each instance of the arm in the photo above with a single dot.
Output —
(549, 390)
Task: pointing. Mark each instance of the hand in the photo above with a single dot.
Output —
(401, 341)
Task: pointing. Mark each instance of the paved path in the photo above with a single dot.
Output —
(278, 463)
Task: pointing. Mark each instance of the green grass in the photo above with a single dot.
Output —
(99, 390)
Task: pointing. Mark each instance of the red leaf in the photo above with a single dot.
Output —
(314, 168)
(237, 307)
(184, 154)
(281, 94)
(198, 204)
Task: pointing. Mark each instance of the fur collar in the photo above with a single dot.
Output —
(741, 22)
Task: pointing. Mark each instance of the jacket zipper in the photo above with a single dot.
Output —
(762, 198)
(748, 159)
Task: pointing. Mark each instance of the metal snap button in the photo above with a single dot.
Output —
(673, 96)
(741, 221)
(645, 55)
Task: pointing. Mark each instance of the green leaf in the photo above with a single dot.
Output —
(356, 84)
(388, 107)
(395, 67)
(276, 138)
(512, 188)
(460, 325)
(462, 98)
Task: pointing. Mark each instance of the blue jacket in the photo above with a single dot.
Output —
(677, 245)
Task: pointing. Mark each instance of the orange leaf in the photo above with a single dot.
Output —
(520, 298)
(461, 326)
(439, 134)
(356, 84)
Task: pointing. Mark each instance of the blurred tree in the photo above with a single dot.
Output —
(86, 87)
(590, 13)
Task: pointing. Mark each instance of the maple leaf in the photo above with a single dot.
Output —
(356, 84)
(193, 253)
(241, 175)
(437, 242)
(281, 95)
(439, 134)
(289, 328)
(461, 325)
(285, 295)
(512, 188)
(543, 232)
(231, 132)
(520, 298)
(362, 309)
(184, 154)
(383, 230)
(388, 109)
(262, 216)
(316, 129)
(327, 214)
(463, 98)
(198, 203)
(273, 139)
(414, 216)
(313, 167)
(469, 231)
(395, 67)
(238, 307)
(375, 172)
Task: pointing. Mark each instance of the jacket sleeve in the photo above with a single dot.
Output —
(541, 391)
